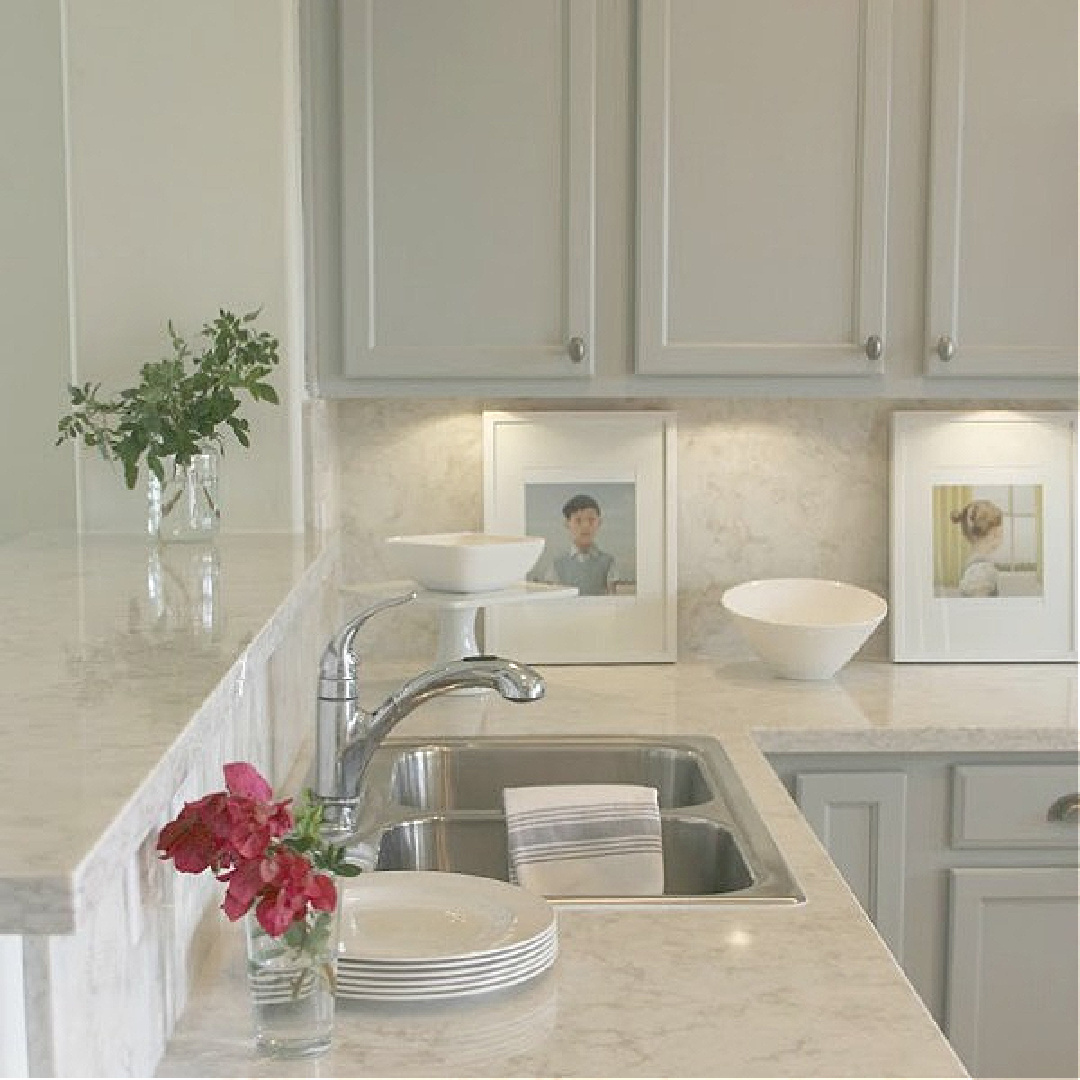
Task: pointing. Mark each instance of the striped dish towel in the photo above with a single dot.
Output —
(585, 839)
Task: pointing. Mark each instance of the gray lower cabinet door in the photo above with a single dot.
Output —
(1012, 970)
(859, 818)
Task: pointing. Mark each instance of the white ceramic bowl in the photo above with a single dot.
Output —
(465, 562)
(804, 628)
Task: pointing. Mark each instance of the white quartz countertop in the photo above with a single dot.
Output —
(102, 679)
(109, 652)
(750, 990)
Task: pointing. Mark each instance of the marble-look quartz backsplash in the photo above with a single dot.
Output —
(766, 488)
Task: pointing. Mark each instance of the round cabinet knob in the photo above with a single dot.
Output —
(1067, 808)
(577, 350)
(946, 348)
(874, 347)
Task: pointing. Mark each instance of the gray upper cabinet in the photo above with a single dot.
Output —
(763, 152)
(1001, 274)
(467, 144)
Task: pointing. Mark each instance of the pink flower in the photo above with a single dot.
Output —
(292, 887)
(245, 883)
(221, 830)
(244, 779)
(195, 841)
(241, 835)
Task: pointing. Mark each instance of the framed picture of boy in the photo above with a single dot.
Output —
(983, 536)
(599, 488)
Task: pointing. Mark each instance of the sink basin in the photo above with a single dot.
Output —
(438, 806)
(701, 857)
(472, 777)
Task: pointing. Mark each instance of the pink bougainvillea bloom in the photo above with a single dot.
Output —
(322, 893)
(195, 840)
(189, 843)
(245, 883)
(235, 834)
(244, 779)
(292, 886)
(250, 826)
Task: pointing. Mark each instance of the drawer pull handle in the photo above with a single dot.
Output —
(1067, 808)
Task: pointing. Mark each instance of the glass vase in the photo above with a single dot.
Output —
(184, 507)
(292, 979)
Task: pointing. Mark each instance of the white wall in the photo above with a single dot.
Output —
(36, 483)
(178, 122)
(181, 200)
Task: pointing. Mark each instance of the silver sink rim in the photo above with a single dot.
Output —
(731, 807)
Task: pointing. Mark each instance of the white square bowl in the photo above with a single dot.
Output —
(465, 562)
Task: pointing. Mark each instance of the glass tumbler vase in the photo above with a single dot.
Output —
(291, 980)
(184, 507)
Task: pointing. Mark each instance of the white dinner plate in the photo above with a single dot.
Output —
(446, 969)
(433, 917)
(511, 977)
(492, 974)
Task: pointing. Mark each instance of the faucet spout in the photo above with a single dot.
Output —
(514, 681)
(347, 735)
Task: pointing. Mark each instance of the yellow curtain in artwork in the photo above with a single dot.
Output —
(950, 548)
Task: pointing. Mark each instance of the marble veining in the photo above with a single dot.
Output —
(100, 676)
(123, 693)
(740, 991)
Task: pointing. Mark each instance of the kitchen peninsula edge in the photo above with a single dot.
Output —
(128, 674)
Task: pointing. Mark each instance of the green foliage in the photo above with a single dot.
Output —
(181, 402)
(306, 838)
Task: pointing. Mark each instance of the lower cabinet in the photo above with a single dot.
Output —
(968, 867)
(860, 818)
(1012, 1000)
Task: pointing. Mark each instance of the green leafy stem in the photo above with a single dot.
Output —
(182, 402)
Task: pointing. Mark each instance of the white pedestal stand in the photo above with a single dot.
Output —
(457, 613)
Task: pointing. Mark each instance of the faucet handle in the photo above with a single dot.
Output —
(338, 659)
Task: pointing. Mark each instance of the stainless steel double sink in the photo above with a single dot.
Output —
(437, 805)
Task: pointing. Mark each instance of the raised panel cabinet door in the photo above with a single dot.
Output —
(1002, 251)
(860, 818)
(468, 131)
(1012, 971)
(763, 148)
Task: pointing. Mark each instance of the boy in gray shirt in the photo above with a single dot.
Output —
(585, 566)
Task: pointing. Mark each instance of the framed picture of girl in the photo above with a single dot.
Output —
(983, 536)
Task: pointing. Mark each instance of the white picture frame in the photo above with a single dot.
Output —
(983, 536)
(535, 464)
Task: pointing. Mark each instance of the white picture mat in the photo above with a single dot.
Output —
(602, 447)
(931, 449)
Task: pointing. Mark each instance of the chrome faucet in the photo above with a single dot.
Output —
(348, 735)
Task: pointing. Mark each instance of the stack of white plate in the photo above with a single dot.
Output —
(416, 935)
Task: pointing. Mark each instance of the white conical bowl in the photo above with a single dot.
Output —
(804, 628)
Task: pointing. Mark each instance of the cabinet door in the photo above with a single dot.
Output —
(763, 154)
(1012, 990)
(467, 202)
(859, 818)
(1001, 274)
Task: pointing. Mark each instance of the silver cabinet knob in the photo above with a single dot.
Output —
(577, 350)
(1067, 808)
(874, 347)
(946, 348)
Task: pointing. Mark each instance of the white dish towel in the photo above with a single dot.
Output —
(585, 839)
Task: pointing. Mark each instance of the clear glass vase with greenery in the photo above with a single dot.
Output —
(177, 416)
